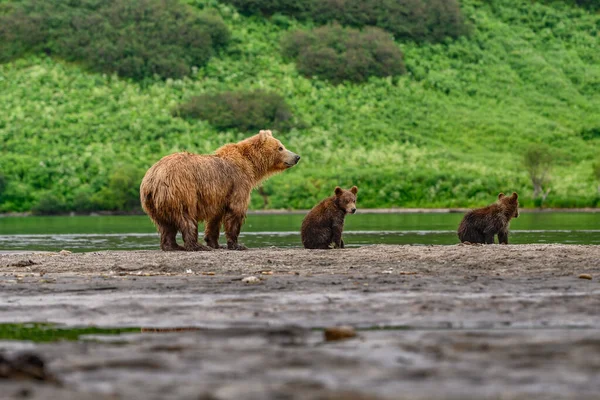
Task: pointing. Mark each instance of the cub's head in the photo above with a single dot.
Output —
(268, 154)
(346, 199)
(510, 204)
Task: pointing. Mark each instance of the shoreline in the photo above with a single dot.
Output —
(392, 210)
(247, 325)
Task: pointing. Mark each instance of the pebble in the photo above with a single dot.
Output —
(585, 276)
(339, 333)
(64, 252)
(251, 279)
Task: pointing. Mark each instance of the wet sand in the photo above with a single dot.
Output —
(434, 322)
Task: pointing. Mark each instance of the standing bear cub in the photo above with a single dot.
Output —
(480, 225)
(323, 225)
(183, 188)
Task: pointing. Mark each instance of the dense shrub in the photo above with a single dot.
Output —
(344, 54)
(49, 204)
(419, 20)
(134, 38)
(244, 111)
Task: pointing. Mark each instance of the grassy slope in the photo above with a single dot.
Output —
(450, 133)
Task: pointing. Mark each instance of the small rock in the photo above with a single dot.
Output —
(585, 276)
(188, 271)
(251, 279)
(64, 252)
(339, 333)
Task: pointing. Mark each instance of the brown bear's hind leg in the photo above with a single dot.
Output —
(211, 232)
(190, 237)
(168, 234)
(233, 224)
(489, 238)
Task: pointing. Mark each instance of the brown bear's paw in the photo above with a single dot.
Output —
(236, 246)
(198, 247)
(172, 248)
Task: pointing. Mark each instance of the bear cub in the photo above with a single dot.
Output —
(480, 225)
(323, 225)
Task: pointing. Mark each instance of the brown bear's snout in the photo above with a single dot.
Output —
(353, 210)
(292, 159)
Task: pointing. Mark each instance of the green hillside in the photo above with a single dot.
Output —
(452, 131)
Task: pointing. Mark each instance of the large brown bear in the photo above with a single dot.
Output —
(323, 225)
(480, 225)
(183, 188)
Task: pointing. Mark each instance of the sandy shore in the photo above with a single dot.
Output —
(434, 322)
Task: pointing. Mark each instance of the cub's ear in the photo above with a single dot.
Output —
(500, 196)
(354, 189)
(338, 191)
(265, 134)
(515, 196)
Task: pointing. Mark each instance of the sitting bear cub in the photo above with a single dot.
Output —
(323, 225)
(480, 225)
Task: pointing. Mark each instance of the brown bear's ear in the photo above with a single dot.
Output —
(338, 191)
(515, 196)
(354, 189)
(265, 134)
(500, 196)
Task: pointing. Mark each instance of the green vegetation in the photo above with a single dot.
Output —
(538, 163)
(418, 20)
(343, 54)
(135, 38)
(452, 131)
(243, 111)
(51, 333)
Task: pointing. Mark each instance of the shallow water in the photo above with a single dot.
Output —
(94, 233)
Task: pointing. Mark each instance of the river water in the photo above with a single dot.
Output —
(95, 233)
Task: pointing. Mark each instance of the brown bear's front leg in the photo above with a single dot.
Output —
(336, 235)
(168, 233)
(233, 224)
(341, 243)
(211, 232)
(503, 237)
(489, 238)
(190, 237)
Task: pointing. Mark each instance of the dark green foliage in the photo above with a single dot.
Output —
(3, 184)
(591, 4)
(49, 204)
(344, 54)
(244, 111)
(135, 38)
(419, 20)
(590, 133)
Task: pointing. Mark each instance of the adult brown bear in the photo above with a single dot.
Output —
(480, 225)
(184, 188)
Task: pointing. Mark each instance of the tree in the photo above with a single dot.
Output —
(596, 169)
(537, 162)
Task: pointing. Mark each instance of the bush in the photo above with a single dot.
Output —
(419, 20)
(49, 204)
(244, 111)
(344, 54)
(134, 38)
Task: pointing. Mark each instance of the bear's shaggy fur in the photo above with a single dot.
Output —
(183, 188)
(323, 225)
(480, 225)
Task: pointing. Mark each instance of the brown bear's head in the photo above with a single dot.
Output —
(346, 199)
(268, 154)
(510, 204)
